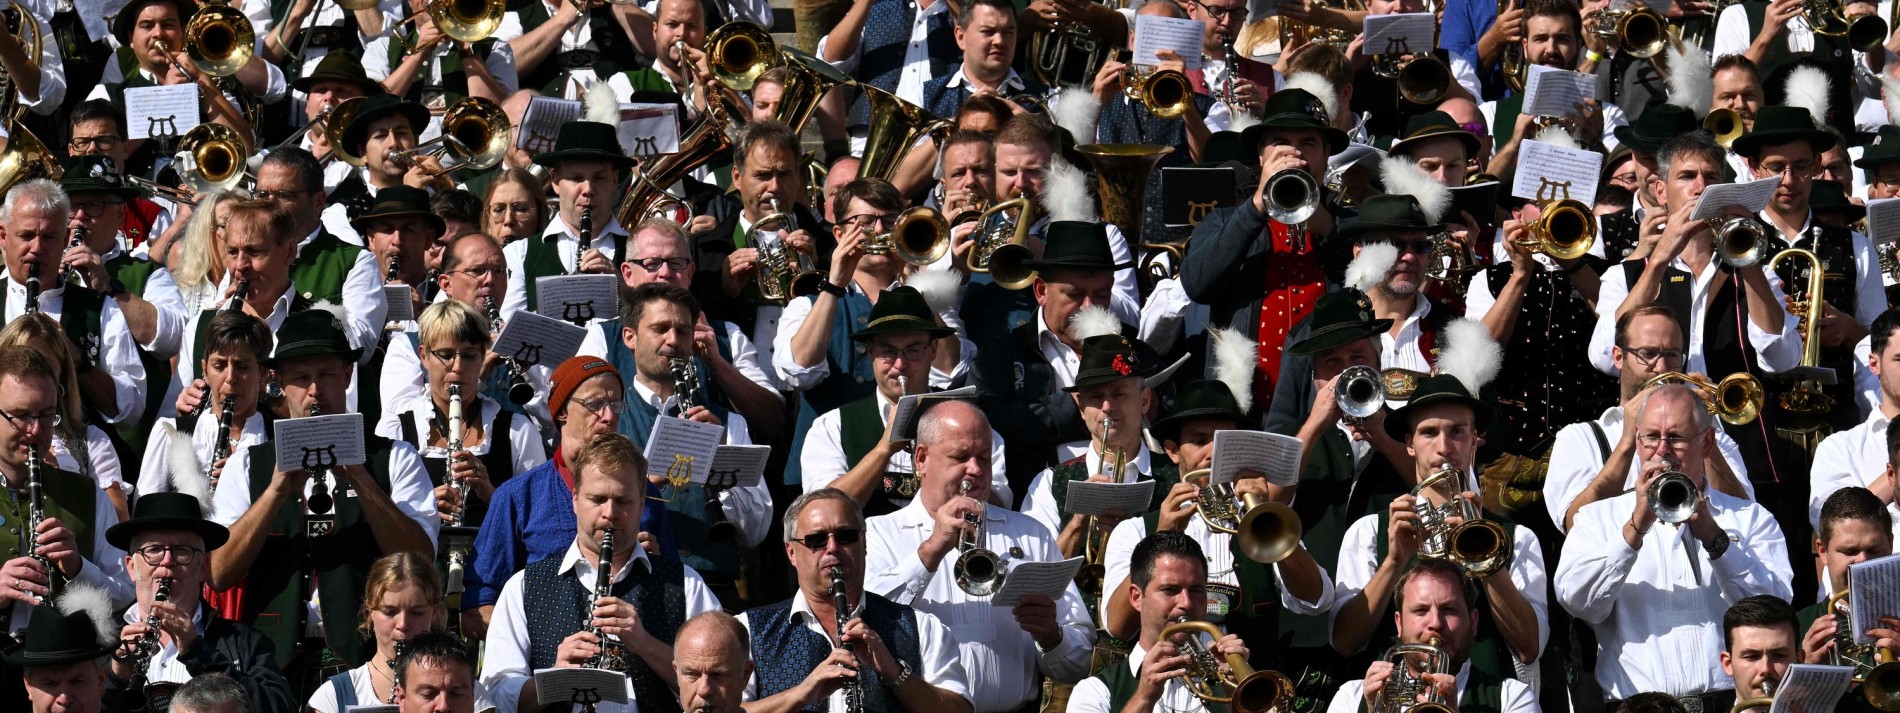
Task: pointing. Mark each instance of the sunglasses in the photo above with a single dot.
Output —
(845, 537)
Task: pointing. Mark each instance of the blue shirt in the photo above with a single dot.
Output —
(1465, 22)
(530, 518)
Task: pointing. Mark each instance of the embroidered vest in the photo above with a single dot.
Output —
(849, 380)
(1489, 655)
(562, 604)
(500, 459)
(65, 495)
(795, 650)
(860, 428)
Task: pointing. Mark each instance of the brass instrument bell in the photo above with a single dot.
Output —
(920, 236)
(219, 40)
(1267, 531)
(1244, 689)
(1565, 230)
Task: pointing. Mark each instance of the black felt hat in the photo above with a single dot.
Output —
(1386, 213)
(1884, 148)
(95, 174)
(1829, 195)
(1433, 125)
(339, 67)
(1295, 109)
(1203, 399)
(1437, 388)
(902, 309)
(1225, 146)
(377, 106)
(167, 511)
(1075, 245)
(1659, 122)
(310, 333)
(398, 201)
(53, 638)
(1107, 358)
(129, 15)
(587, 141)
(1780, 125)
(1340, 317)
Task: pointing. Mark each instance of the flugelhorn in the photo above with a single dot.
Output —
(1267, 531)
(919, 236)
(1477, 545)
(1726, 124)
(1736, 399)
(1565, 230)
(1673, 497)
(475, 135)
(1640, 31)
(1408, 682)
(1089, 579)
(1002, 243)
(1292, 197)
(979, 572)
(1360, 393)
(784, 272)
(1165, 92)
(1243, 688)
(219, 40)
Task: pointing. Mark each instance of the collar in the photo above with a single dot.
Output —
(1141, 462)
(1010, 81)
(1877, 421)
(1612, 417)
(1807, 223)
(558, 227)
(651, 398)
(319, 231)
(801, 608)
(1045, 335)
(578, 564)
(561, 469)
(1420, 308)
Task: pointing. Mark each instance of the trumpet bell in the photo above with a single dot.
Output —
(1673, 497)
(1566, 229)
(1643, 32)
(217, 153)
(739, 52)
(467, 20)
(1738, 241)
(1360, 391)
(1481, 547)
(1292, 196)
(979, 572)
(1262, 692)
(1165, 92)
(1881, 684)
(1424, 80)
(1269, 531)
(219, 40)
(1008, 268)
(1725, 124)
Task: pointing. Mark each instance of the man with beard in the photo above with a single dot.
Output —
(1552, 38)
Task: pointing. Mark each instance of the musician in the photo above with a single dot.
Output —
(986, 32)
(1630, 234)
(327, 266)
(1858, 456)
(888, 656)
(1856, 526)
(144, 290)
(139, 27)
(968, 181)
(673, 70)
(561, 48)
(184, 449)
(399, 230)
(436, 674)
(421, 63)
(1619, 560)
(291, 547)
(897, 47)
(168, 540)
(61, 657)
(1777, 36)
(210, 693)
(1584, 465)
(1552, 38)
(584, 170)
(291, 36)
(1167, 583)
(473, 273)
(336, 78)
(33, 234)
(402, 600)
(1439, 146)
(713, 657)
(644, 602)
(1434, 605)
(1760, 642)
(1880, 164)
(77, 445)
(383, 126)
(77, 512)
(1738, 87)
(1296, 133)
(98, 129)
(461, 213)
(851, 448)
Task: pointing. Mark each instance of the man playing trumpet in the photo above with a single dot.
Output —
(1434, 607)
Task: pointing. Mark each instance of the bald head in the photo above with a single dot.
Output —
(953, 445)
(713, 660)
(949, 419)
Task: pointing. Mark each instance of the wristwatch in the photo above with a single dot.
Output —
(903, 674)
(825, 286)
(115, 289)
(1717, 546)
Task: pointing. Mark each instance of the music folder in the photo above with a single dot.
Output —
(1190, 193)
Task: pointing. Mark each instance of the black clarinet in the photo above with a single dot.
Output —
(395, 265)
(611, 657)
(237, 297)
(587, 236)
(147, 648)
(841, 607)
(320, 500)
(72, 276)
(227, 410)
(493, 310)
(36, 514)
(400, 645)
(32, 289)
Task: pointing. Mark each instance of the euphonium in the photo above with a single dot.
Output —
(978, 572)
(841, 610)
(217, 158)
(1267, 531)
(475, 136)
(611, 657)
(1726, 124)
(699, 144)
(919, 237)
(784, 272)
(1165, 92)
(1737, 399)
(22, 25)
(1121, 180)
(1002, 243)
(1807, 396)
(1673, 497)
(1408, 682)
(1244, 689)
(219, 40)
(1478, 545)
(1565, 230)
(1360, 393)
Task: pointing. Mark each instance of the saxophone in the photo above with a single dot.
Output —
(611, 656)
(841, 606)
(227, 410)
(36, 514)
(458, 553)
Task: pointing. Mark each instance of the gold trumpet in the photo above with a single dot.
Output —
(1243, 689)
(1476, 544)
(1425, 78)
(1737, 399)
(463, 20)
(215, 158)
(1267, 531)
(1165, 92)
(919, 237)
(219, 40)
(1089, 579)
(1641, 31)
(1564, 231)
(1807, 397)
(1002, 243)
(1874, 668)
(1408, 682)
(1726, 124)
(475, 135)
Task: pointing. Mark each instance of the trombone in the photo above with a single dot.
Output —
(1477, 545)
(1737, 399)
(219, 40)
(468, 21)
(1267, 531)
(920, 236)
(979, 572)
(1244, 689)
(1002, 243)
(210, 158)
(1402, 691)
(1565, 230)
(1874, 668)
(475, 135)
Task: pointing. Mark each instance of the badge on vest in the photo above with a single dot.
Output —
(901, 484)
(1221, 599)
(1017, 368)
(318, 525)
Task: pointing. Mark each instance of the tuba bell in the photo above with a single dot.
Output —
(1726, 124)
(700, 143)
(212, 158)
(25, 158)
(896, 126)
(919, 237)
(1121, 179)
(219, 40)
(1242, 688)
(1267, 531)
(1565, 230)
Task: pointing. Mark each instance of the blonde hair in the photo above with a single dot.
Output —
(58, 351)
(199, 262)
(530, 183)
(451, 321)
(393, 572)
(610, 453)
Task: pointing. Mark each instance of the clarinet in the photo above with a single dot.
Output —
(320, 500)
(395, 265)
(72, 275)
(458, 555)
(237, 297)
(32, 289)
(685, 381)
(610, 657)
(587, 236)
(400, 646)
(36, 514)
(853, 689)
(493, 310)
(147, 648)
(227, 410)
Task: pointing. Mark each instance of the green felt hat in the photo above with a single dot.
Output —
(902, 309)
(1107, 358)
(1340, 317)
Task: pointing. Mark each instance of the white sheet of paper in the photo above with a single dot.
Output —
(94, 16)
(1271, 454)
(1883, 221)
(1548, 171)
(1400, 33)
(401, 307)
(542, 121)
(908, 405)
(1185, 37)
(1088, 498)
(1811, 687)
(576, 299)
(320, 441)
(1751, 196)
(169, 110)
(674, 440)
(734, 466)
(649, 129)
(533, 339)
(1049, 579)
(1555, 92)
(576, 685)
(1876, 585)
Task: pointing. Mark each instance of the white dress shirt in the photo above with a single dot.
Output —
(1091, 695)
(999, 657)
(745, 353)
(1358, 560)
(1733, 34)
(1402, 351)
(1870, 294)
(1063, 361)
(799, 377)
(1118, 557)
(1040, 502)
(747, 507)
(515, 254)
(505, 662)
(102, 567)
(161, 451)
(524, 439)
(162, 291)
(1576, 459)
(937, 649)
(118, 351)
(100, 462)
(362, 299)
(823, 459)
(1776, 352)
(274, 84)
(1658, 611)
(579, 36)
(1517, 697)
(187, 368)
(1852, 458)
(1169, 315)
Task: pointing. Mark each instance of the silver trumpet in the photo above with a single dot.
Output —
(1292, 197)
(1673, 497)
(979, 571)
(1360, 393)
(1738, 241)
(1408, 680)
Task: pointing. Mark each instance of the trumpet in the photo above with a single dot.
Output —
(219, 40)
(1424, 79)
(1165, 92)
(475, 136)
(1360, 393)
(1408, 682)
(1807, 396)
(1737, 399)
(784, 271)
(1476, 544)
(1864, 33)
(611, 657)
(1565, 230)
(1742, 704)
(1874, 668)
(1246, 690)
(1726, 124)
(1089, 579)
(1738, 241)
(1292, 197)
(979, 572)
(1641, 31)
(1673, 497)
(1268, 531)
(1002, 243)
(920, 236)
(464, 20)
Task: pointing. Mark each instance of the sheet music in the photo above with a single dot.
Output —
(578, 299)
(909, 405)
(1883, 221)
(402, 305)
(542, 121)
(1400, 33)
(532, 339)
(320, 441)
(1271, 454)
(1751, 196)
(677, 441)
(1876, 593)
(1548, 172)
(1088, 498)
(169, 110)
(1049, 579)
(1556, 92)
(582, 685)
(1153, 32)
(649, 129)
(1810, 688)
(733, 466)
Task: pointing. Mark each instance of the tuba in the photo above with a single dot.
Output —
(1737, 399)
(1408, 682)
(920, 236)
(896, 126)
(1565, 230)
(1268, 531)
(1002, 243)
(1476, 544)
(979, 572)
(1121, 179)
(475, 136)
(1244, 689)
(219, 40)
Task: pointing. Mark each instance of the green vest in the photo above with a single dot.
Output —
(1489, 655)
(548, 76)
(322, 266)
(648, 79)
(860, 429)
(1255, 618)
(1333, 497)
(277, 592)
(67, 496)
(1504, 118)
(544, 260)
(1483, 693)
(454, 79)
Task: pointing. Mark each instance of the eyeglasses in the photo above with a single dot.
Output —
(870, 221)
(845, 537)
(500, 271)
(1803, 169)
(449, 355)
(1421, 246)
(154, 555)
(47, 419)
(1648, 357)
(1474, 128)
(1220, 14)
(915, 352)
(599, 407)
(1651, 440)
(87, 143)
(283, 195)
(653, 264)
(501, 209)
(95, 207)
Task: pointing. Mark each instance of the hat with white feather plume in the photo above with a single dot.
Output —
(1467, 362)
(1403, 177)
(1107, 354)
(75, 627)
(596, 137)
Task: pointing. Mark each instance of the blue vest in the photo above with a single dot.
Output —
(887, 39)
(562, 607)
(849, 380)
(794, 650)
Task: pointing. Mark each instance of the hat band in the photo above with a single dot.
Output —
(900, 318)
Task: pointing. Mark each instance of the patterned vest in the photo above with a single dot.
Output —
(562, 605)
(794, 650)
(610, 49)
(887, 39)
(1552, 337)
(1489, 655)
(1165, 475)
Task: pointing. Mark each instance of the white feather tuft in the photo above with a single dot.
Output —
(340, 312)
(1234, 359)
(1076, 111)
(1093, 321)
(90, 599)
(939, 288)
(1065, 192)
(1808, 88)
(1240, 120)
(1556, 135)
(1470, 354)
(188, 473)
(1319, 87)
(1405, 178)
(1691, 81)
(1890, 96)
(1369, 268)
(601, 104)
